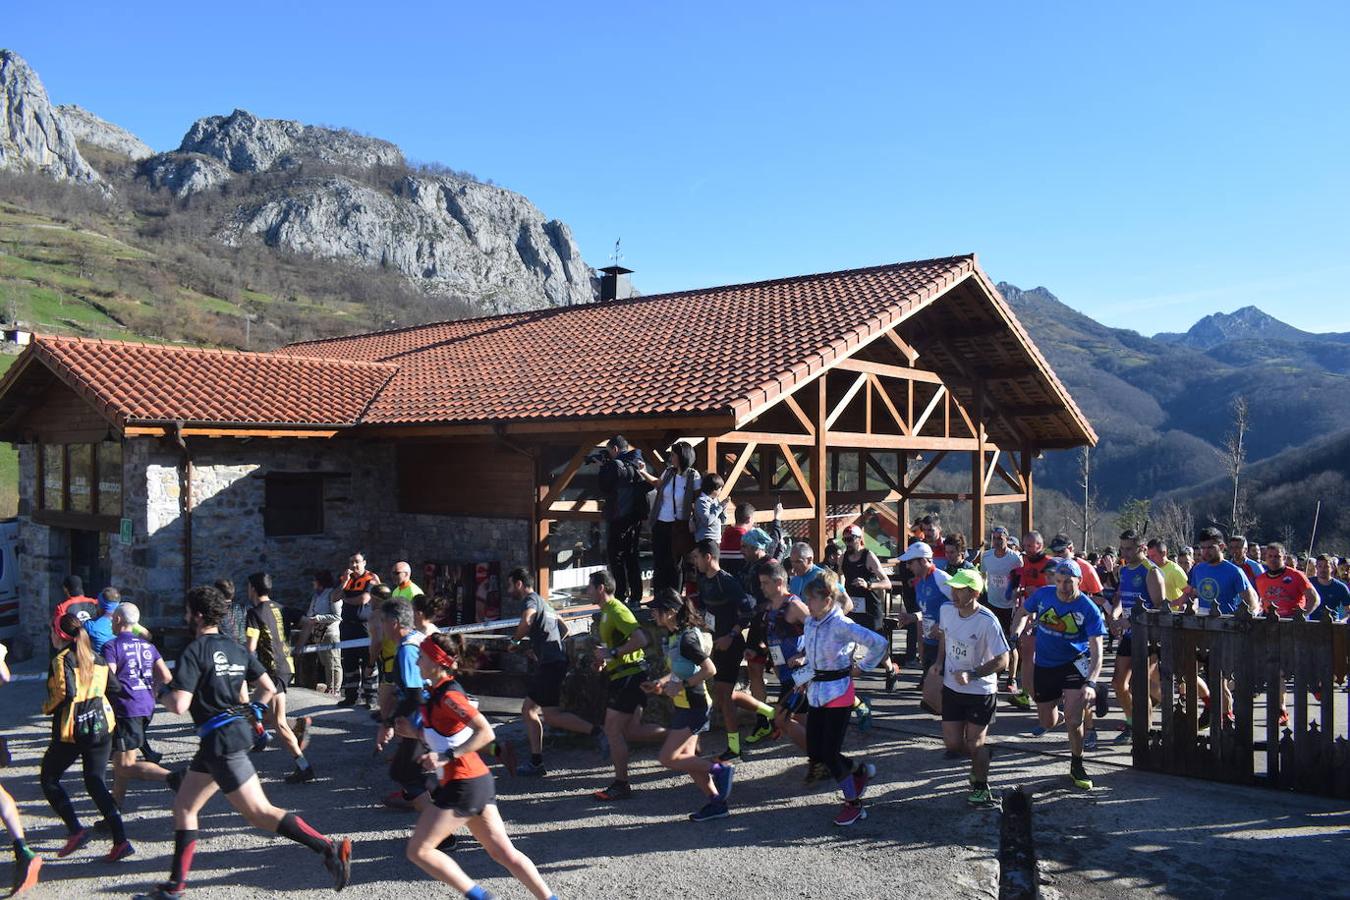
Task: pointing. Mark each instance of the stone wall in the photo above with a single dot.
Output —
(228, 541)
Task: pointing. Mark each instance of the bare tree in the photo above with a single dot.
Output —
(1174, 523)
(1234, 455)
(1088, 513)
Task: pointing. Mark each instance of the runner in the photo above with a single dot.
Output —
(100, 627)
(972, 650)
(1068, 657)
(209, 681)
(997, 565)
(1238, 552)
(1284, 588)
(929, 582)
(1334, 592)
(620, 655)
(1174, 576)
(754, 555)
(1024, 581)
(397, 621)
(27, 864)
(1186, 559)
(466, 794)
(1141, 582)
(138, 667)
(358, 675)
(75, 602)
(932, 536)
(545, 633)
(82, 726)
(264, 633)
(1214, 580)
(864, 579)
(688, 648)
(726, 609)
(826, 679)
(786, 622)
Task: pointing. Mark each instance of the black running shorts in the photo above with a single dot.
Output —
(230, 771)
(546, 683)
(466, 796)
(728, 661)
(129, 734)
(1050, 682)
(975, 709)
(626, 694)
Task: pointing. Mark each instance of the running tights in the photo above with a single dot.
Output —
(59, 757)
(825, 729)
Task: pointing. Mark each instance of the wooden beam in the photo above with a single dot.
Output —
(552, 492)
(854, 440)
(881, 473)
(214, 432)
(924, 472)
(808, 489)
(736, 470)
(889, 371)
(1034, 409)
(796, 408)
(989, 470)
(855, 498)
(1002, 373)
(967, 330)
(898, 343)
(819, 458)
(965, 416)
(1028, 504)
(922, 420)
(769, 437)
(1008, 479)
(979, 480)
(886, 401)
(563, 507)
(1005, 498)
(843, 403)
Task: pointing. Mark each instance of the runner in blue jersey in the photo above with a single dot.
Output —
(1068, 659)
(785, 622)
(1141, 582)
(1215, 580)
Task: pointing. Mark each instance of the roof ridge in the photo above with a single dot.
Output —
(48, 341)
(790, 279)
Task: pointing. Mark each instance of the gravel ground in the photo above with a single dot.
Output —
(1138, 833)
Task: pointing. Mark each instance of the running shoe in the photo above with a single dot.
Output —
(722, 778)
(981, 796)
(1021, 700)
(864, 711)
(619, 790)
(396, 800)
(1125, 738)
(338, 862)
(1090, 739)
(815, 772)
(1038, 729)
(528, 769)
(850, 813)
(75, 842)
(863, 773)
(729, 755)
(119, 851)
(300, 776)
(301, 729)
(1079, 775)
(26, 874)
(764, 730)
(713, 809)
(164, 891)
(510, 762)
(346, 703)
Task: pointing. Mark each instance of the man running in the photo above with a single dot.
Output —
(929, 584)
(545, 632)
(726, 609)
(397, 623)
(621, 656)
(1025, 580)
(138, 667)
(864, 579)
(972, 650)
(1334, 592)
(997, 565)
(784, 626)
(1174, 576)
(264, 636)
(1068, 657)
(1141, 582)
(1284, 588)
(208, 683)
(1239, 551)
(1213, 580)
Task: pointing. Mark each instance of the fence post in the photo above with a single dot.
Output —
(1144, 626)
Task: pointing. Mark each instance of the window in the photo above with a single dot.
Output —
(293, 504)
(80, 461)
(53, 459)
(109, 478)
(81, 479)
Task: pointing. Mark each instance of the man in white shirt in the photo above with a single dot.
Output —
(997, 564)
(972, 650)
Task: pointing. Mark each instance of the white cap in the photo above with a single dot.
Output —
(917, 550)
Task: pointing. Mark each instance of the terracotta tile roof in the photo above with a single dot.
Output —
(725, 349)
(143, 383)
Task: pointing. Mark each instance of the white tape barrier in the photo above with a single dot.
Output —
(571, 614)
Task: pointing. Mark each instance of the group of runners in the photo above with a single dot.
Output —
(1028, 620)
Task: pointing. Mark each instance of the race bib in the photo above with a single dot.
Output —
(711, 621)
(776, 653)
(1083, 664)
(959, 652)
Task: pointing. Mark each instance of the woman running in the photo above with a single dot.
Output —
(688, 650)
(466, 794)
(82, 728)
(827, 680)
(27, 864)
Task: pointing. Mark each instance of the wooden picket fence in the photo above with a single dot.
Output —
(1291, 663)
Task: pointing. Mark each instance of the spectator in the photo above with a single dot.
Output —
(624, 481)
(710, 512)
(322, 621)
(672, 538)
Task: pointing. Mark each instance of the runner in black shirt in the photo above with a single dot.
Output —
(210, 683)
(264, 635)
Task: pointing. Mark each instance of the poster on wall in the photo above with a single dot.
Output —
(487, 592)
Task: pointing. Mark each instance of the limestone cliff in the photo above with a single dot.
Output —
(94, 131)
(33, 135)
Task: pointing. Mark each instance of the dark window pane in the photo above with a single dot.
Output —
(293, 505)
(81, 461)
(53, 476)
(110, 478)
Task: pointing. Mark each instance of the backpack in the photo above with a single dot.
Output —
(88, 717)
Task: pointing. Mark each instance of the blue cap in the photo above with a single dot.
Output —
(1068, 567)
(757, 537)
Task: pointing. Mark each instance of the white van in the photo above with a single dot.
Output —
(9, 579)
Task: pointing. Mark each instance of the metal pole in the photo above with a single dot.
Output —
(1313, 539)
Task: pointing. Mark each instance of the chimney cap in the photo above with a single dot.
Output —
(616, 270)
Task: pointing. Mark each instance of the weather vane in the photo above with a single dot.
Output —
(617, 256)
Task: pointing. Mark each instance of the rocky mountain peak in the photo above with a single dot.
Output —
(33, 135)
(1246, 323)
(90, 129)
(247, 143)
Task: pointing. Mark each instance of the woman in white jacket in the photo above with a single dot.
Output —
(321, 624)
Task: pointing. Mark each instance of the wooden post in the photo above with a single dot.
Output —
(539, 528)
(819, 469)
(977, 469)
(1028, 508)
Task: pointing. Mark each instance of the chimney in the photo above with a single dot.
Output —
(614, 284)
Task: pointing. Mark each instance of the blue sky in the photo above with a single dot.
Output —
(1147, 162)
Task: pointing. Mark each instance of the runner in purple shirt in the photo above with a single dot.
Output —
(137, 665)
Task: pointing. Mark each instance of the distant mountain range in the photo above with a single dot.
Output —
(1245, 324)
